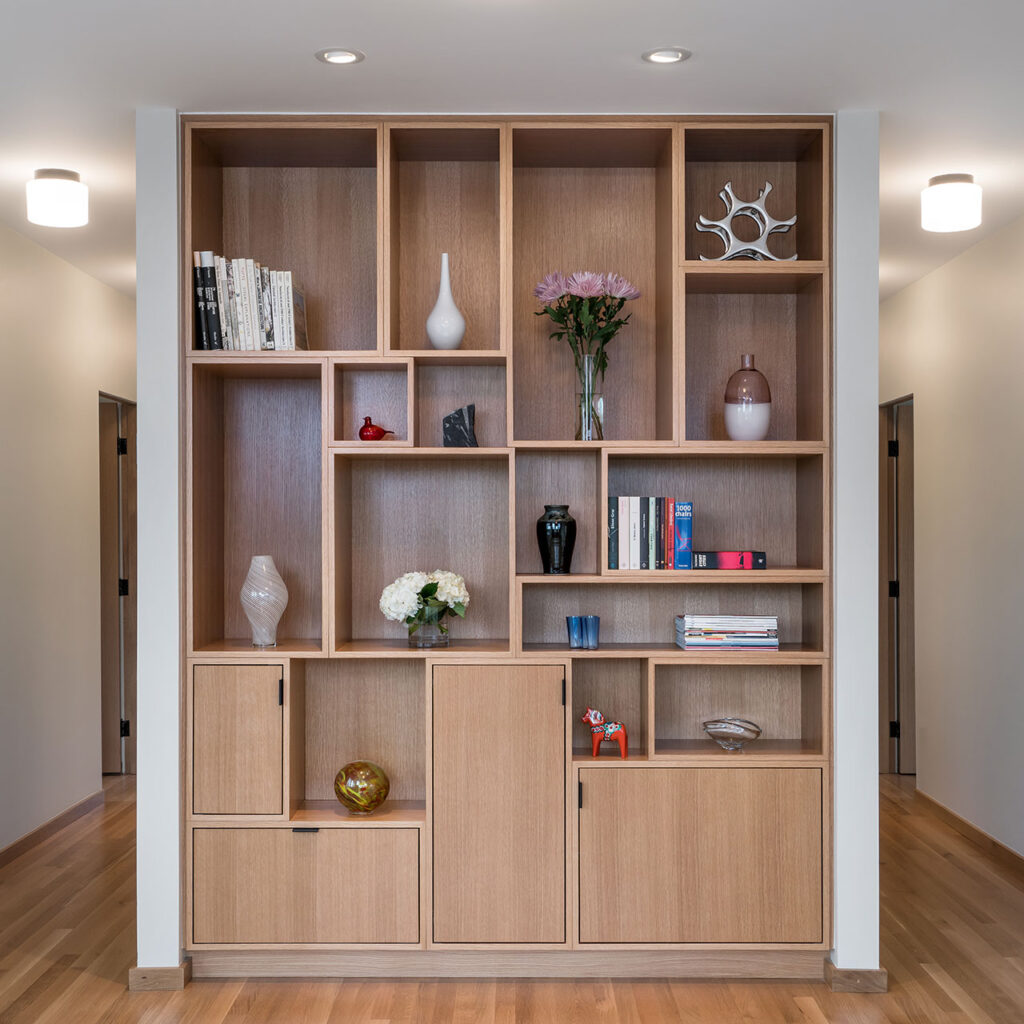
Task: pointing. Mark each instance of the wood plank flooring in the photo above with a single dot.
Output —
(952, 941)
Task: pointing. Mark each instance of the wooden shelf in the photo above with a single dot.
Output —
(619, 576)
(607, 759)
(331, 814)
(760, 749)
(790, 654)
(243, 648)
(400, 649)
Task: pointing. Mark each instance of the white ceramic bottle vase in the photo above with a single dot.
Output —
(748, 403)
(264, 599)
(445, 325)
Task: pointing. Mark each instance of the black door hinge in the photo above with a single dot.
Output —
(579, 795)
(280, 691)
(126, 727)
(894, 588)
(122, 446)
(894, 730)
(894, 449)
(122, 587)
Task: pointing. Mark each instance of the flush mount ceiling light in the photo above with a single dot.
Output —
(336, 55)
(667, 55)
(56, 198)
(951, 202)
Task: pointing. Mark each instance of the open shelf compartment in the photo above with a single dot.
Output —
(791, 156)
(595, 198)
(771, 503)
(395, 514)
(445, 196)
(618, 689)
(445, 385)
(252, 428)
(380, 389)
(779, 318)
(300, 198)
(789, 703)
(643, 615)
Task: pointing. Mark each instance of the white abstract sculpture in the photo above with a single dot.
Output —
(736, 248)
(264, 599)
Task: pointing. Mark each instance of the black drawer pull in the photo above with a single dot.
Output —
(305, 830)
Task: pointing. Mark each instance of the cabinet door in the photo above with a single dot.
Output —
(237, 739)
(701, 855)
(268, 885)
(498, 804)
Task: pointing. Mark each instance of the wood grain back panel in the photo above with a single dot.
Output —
(700, 855)
(441, 390)
(498, 740)
(237, 739)
(618, 689)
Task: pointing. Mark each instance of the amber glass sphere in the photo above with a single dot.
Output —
(362, 786)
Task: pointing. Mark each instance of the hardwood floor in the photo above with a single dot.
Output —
(952, 941)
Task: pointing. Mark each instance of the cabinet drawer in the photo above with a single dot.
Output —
(269, 885)
(237, 739)
(701, 855)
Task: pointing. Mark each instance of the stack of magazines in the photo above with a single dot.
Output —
(727, 632)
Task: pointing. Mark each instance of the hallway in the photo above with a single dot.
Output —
(952, 942)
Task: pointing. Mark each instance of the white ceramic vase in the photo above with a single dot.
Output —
(264, 599)
(445, 325)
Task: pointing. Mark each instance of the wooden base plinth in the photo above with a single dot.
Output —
(803, 965)
(842, 980)
(160, 979)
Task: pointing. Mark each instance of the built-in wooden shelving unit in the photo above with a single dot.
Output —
(501, 829)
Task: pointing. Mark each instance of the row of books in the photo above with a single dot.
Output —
(649, 533)
(657, 533)
(727, 632)
(244, 307)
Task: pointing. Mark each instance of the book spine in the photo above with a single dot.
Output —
(223, 305)
(652, 539)
(242, 282)
(282, 301)
(212, 306)
(252, 275)
(659, 533)
(730, 560)
(634, 532)
(645, 532)
(623, 532)
(683, 540)
(202, 338)
(232, 302)
(613, 533)
(267, 308)
(275, 309)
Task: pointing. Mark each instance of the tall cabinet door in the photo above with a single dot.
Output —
(701, 855)
(498, 794)
(237, 739)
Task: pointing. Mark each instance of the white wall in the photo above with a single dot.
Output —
(64, 337)
(955, 339)
(855, 496)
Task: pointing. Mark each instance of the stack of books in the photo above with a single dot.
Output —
(649, 533)
(727, 632)
(243, 307)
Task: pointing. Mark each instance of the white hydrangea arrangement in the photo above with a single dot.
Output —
(419, 597)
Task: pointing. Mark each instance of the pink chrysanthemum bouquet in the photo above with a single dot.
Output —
(585, 308)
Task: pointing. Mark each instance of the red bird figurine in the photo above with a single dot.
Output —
(369, 431)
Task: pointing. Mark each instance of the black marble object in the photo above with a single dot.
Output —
(458, 428)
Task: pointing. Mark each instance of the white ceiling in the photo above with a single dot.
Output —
(946, 75)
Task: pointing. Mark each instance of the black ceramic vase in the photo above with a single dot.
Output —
(556, 537)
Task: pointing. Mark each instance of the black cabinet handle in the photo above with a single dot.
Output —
(305, 830)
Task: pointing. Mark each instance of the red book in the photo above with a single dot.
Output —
(729, 560)
(670, 531)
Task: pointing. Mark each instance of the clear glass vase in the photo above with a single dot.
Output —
(429, 631)
(589, 400)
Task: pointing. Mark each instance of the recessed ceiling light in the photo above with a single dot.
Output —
(335, 55)
(667, 55)
(56, 198)
(951, 202)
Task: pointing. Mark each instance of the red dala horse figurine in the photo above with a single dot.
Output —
(600, 730)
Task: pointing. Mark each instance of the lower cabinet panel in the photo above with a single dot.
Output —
(270, 885)
(700, 855)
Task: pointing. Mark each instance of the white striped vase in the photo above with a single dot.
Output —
(264, 599)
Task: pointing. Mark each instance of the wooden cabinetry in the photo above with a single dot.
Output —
(337, 885)
(700, 855)
(480, 858)
(498, 804)
(237, 729)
